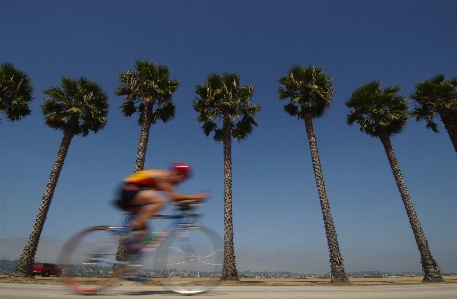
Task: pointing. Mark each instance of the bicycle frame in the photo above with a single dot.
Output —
(148, 249)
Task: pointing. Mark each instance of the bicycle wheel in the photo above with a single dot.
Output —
(88, 261)
(190, 260)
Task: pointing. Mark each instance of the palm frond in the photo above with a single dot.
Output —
(223, 96)
(306, 87)
(374, 108)
(149, 82)
(433, 97)
(81, 99)
(15, 92)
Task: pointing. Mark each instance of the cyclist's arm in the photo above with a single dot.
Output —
(167, 187)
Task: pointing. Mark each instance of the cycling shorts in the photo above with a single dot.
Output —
(127, 193)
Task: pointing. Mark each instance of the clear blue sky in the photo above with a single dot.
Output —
(277, 218)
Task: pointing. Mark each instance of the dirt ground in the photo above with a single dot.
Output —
(255, 281)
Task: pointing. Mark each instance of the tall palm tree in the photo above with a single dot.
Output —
(15, 92)
(310, 91)
(384, 113)
(148, 91)
(437, 97)
(222, 100)
(77, 107)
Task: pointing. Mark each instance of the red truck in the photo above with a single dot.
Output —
(46, 269)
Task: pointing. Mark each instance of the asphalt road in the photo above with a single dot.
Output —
(435, 291)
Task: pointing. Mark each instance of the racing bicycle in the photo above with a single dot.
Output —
(184, 257)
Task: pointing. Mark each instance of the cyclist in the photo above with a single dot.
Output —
(139, 194)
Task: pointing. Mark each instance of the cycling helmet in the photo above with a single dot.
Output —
(182, 168)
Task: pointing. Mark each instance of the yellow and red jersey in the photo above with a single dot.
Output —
(142, 177)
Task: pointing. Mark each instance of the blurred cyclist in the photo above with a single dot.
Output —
(140, 196)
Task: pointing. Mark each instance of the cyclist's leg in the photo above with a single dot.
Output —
(146, 203)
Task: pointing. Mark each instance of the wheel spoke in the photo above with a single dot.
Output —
(190, 261)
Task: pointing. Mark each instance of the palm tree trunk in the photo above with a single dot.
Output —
(139, 163)
(429, 265)
(337, 273)
(450, 124)
(25, 264)
(229, 271)
(144, 136)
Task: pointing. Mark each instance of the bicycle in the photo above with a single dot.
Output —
(187, 259)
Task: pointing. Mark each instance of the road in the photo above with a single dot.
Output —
(435, 291)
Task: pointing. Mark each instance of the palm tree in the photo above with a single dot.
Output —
(310, 92)
(148, 90)
(383, 113)
(437, 97)
(76, 108)
(15, 92)
(222, 99)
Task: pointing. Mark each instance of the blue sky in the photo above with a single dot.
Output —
(277, 218)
